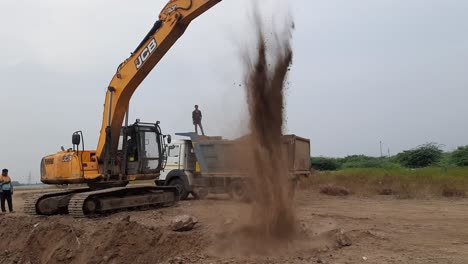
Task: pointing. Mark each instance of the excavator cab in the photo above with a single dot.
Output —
(142, 153)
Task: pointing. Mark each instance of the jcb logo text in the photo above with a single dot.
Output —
(144, 55)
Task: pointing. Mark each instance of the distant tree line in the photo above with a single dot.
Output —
(426, 155)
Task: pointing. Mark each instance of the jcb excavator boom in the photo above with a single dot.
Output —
(109, 168)
(173, 20)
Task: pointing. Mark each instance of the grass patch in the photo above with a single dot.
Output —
(402, 182)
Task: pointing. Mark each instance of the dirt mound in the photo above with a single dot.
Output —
(448, 191)
(65, 240)
(334, 190)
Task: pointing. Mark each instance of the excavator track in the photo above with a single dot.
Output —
(106, 201)
(35, 204)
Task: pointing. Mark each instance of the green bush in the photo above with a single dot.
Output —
(460, 156)
(353, 161)
(446, 161)
(421, 156)
(425, 155)
(323, 164)
(362, 161)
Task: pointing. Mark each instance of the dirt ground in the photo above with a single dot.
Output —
(381, 229)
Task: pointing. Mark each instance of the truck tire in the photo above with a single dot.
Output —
(238, 191)
(179, 184)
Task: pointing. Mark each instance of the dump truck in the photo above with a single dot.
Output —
(200, 165)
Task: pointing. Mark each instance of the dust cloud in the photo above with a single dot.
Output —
(273, 213)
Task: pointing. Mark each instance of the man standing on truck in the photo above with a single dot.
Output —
(7, 191)
(196, 118)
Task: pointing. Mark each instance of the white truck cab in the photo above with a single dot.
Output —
(180, 167)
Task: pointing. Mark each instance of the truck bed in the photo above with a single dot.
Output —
(217, 157)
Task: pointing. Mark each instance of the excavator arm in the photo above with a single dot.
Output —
(173, 20)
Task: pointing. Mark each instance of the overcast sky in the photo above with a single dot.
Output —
(364, 71)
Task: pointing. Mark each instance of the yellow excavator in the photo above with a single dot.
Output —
(125, 152)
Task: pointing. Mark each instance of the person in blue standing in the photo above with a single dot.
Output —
(7, 191)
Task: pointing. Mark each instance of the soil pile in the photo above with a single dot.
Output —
(64, 240)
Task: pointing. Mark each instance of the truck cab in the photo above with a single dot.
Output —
(179, 167)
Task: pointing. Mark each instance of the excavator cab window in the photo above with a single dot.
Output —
(149, 149)
(132, 149)
(132, 152)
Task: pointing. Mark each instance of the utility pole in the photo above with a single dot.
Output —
(381, 154)
(389, 152)
(29, 178)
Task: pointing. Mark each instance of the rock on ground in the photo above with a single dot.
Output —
(183, 223)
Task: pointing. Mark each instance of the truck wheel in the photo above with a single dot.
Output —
(179, 184)
(238, 191)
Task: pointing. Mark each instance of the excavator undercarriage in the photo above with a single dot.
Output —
(85, 202)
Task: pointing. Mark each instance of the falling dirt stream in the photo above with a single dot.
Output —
(273, 214)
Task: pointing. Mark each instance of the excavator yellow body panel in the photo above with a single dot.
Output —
(70, 167)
